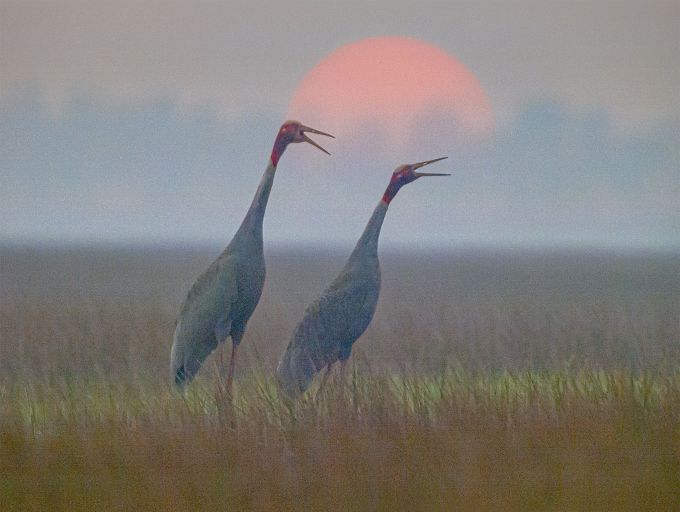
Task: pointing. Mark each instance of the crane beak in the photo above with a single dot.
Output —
(304, 129)
(428, 162)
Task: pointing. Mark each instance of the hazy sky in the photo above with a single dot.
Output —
(153, 121)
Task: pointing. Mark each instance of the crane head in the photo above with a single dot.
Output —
(293, 132)
(407, 173)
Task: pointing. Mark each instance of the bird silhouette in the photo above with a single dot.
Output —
(333, 322)
(224, 297)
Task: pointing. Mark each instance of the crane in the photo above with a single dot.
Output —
(224, 297)
(333, 322)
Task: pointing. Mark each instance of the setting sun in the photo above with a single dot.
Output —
(393, 84)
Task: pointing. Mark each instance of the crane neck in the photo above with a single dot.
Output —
(252, 223)
(391, 190)
(279, 147)
(368, 242)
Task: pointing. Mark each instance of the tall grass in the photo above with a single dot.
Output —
(515, 441)
(486, 382)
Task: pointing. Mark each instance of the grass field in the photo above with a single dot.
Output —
(488, 381)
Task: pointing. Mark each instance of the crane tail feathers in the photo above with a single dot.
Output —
(294, 374)
(180, 377)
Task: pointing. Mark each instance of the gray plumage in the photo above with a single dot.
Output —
(333, 322)
(224, 297)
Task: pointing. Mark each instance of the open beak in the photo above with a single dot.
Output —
(305, 129)
(428, 162)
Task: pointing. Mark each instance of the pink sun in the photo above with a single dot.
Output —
(392, 85)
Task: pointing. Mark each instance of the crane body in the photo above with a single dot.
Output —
(333, 322)
(223, 298)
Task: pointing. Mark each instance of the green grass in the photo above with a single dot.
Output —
(576, 440)
(486, 382)
(38, 405)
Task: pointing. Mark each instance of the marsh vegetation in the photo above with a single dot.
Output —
(488, 380)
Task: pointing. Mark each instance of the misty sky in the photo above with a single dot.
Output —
(153, 122)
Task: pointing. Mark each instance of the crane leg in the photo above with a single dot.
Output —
(232, 364)
(324, 379)
(343, 373)
(220, 361)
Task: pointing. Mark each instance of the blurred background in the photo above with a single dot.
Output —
(133, 137)
(153, 121)
(524, 354)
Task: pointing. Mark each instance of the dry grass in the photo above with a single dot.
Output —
(486, 382)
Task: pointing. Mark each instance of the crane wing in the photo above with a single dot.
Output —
(337, 318)
(330, 325)
(205, 319)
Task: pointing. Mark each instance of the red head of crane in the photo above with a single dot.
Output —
(290, 132)
(405, 174)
